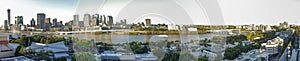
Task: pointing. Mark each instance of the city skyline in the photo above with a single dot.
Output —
(65, 9)
(149, 30)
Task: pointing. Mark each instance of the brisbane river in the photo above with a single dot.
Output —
(122, 38)
(117, 38)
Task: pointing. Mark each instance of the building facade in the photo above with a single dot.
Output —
(94, 21)
(148, 22)
(19, 20)
(103, 20)
(54, 22)
(5, 49)
(5, 25)
(32, 23)
(41, 20)
(76, 20)
(110, 20)
(47, 23)
(87, 20)
(8, 15)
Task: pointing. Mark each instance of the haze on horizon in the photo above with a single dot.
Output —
(234, 12)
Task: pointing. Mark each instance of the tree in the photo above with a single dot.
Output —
(84, 46)
(186, 56)
(20, 50)
(139, 47)
(236, 38)
(84, 56)
(230, 53)
(44, 55)
(171, 57)
(61, 59)
(205, 40)
(249, 36)
(203, 58)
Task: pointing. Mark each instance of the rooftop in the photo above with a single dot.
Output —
(55, 47)
(19, 58)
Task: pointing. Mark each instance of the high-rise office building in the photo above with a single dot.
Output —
(41, 20)
(87, 20)
(75, 20)
(54, 22)
(125, 22)
(8, 15)
(32, 22)
(148, 22)
(81, 23)
(104, 20)
(101, 19)
(66, 24)
(70, 23)
(19, 20)
(60, 24)
(110, 20)
(97, 19)
(121, 22)
(143, 24)
(47, 23)
(5, 25)
(94, 20)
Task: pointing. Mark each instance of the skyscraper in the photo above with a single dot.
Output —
(54, 22)
(32, 22)
(41, 20)
(87, 20)
(19, 20)
(94, 20)
(8, 15)
(5, 25)
(100, 19)
(70, 23)
(60, 24)
(97, 19)
(66, 24)
(81, 23)
(125, 22)
(148, 22)
(110, 20)
(75, 20)
(47, 23)
(103, 20)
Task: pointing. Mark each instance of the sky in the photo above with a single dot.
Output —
(228, 12)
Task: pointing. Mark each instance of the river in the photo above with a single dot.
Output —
(122, 38)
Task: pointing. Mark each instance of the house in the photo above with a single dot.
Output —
(6, 49)
(271, 47)
(126, 56)
(116, 56)
(146, 57)
(245, 43)
(18, 58)
(209, 54)
(59, 49)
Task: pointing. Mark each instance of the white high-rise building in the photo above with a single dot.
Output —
(76, 20)
(87, 20)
